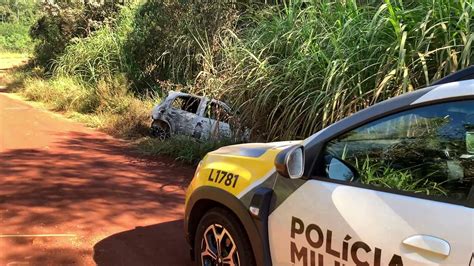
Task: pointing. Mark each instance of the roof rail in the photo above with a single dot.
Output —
(464, 74)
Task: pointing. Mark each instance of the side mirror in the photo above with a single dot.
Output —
(290, 162)
(337, 169)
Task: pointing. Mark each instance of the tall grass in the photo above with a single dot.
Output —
(106, 105)
(166, 47)
(296, 68)
(61, 94)
(99, 56)
(89, 82)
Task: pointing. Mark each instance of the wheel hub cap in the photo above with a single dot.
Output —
(218, 247)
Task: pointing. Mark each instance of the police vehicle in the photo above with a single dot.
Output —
(390, 185)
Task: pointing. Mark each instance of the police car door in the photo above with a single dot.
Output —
(396, 191)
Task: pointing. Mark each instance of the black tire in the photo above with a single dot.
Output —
(221, 217)
(197, 132)
(159, 131)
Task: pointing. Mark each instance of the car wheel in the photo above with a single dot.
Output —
(197, 132)
(221, 240)
(159, 131)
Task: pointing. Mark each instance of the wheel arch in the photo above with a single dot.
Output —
(164, 123)
(206, 198)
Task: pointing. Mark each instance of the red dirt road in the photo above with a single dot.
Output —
(74, 196)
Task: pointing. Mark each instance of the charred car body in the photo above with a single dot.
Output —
(196, 116)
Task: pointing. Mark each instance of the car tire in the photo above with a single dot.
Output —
(221, 224)
(197, 132)
(159, 132)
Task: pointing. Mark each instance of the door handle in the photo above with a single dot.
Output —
(429, 243)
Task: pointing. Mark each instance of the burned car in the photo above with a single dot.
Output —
(197, 116)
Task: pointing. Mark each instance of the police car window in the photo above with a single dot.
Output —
(186, 103)
(427, 150)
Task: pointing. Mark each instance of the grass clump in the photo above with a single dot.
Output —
(128, 118)
(107, 106)
(99, 55)
(61, 94)
(62, 23)
(182, 148)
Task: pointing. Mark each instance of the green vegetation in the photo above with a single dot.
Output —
(380, 174)
(305, 68)
(169, 47)
(84, 76)
(107, 106)
(182, 148)
(16, 17)
(65, 22)
(299, 65)
(99, 56)
(14, 38)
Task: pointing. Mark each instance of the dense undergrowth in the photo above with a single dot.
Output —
(299, 65)
(16, 17)
(305, 68)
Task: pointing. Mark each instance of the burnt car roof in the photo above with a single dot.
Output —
(178, 93)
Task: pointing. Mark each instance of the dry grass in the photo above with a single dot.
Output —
(107, 106)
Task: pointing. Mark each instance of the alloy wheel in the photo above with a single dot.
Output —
(218, 248)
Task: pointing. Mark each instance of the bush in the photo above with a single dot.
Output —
(63, 22)
(53, 31)
(168, 46)
(15, 19)
(100, 55)
(14, 38)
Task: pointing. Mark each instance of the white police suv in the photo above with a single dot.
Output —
(390, 185)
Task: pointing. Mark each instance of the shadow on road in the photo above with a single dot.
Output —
(54, 256)
(149, 245)
(91, 186)
(87, 180)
